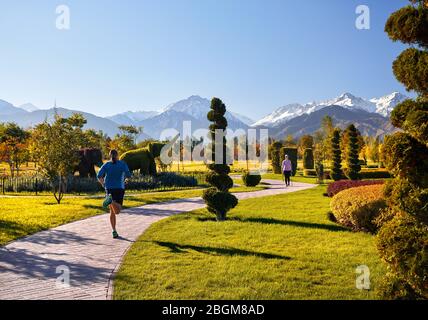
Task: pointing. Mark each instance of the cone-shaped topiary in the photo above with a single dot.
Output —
(403, 240)
(275, 154)
(218, 198)
(353, 166)
(336, 170)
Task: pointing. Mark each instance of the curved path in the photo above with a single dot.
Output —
(37, 266)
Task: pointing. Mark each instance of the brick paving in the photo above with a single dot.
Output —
(30, 267)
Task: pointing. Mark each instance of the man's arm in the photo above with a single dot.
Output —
(100, 175)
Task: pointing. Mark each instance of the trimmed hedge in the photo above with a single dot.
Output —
(375, 174)
(338, 186)
(251, 180)
(358, 208)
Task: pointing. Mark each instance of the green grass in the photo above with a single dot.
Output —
(24, 215)
(279, 247)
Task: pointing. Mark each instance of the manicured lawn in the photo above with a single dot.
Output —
(279, 247)
(23, 215)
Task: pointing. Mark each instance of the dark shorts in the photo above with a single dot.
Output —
(117, 195)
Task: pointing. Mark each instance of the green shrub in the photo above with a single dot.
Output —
(403, 244)
(357, 208)
(251, 180)
(292, 156)
(375, 174)
(308, 159)
(140, 159)
(219, 202)
(221, 181)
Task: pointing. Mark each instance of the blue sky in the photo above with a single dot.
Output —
(256, 55)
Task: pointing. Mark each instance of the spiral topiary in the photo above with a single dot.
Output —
(403, 239)
(218, 198)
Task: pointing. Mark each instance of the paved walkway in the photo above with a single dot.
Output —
(30, 267)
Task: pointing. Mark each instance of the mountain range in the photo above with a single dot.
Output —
(370, 116)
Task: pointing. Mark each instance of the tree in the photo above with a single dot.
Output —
(218, 198)
(374, 150)
(402, 239)
(131, 131)
(305, 142)
(55, 145)
(336, 170)
(13, 146)
(353, 166)
(290, 142)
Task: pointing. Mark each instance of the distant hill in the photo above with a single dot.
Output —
(30, 119)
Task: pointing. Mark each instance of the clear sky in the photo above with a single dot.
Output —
(256, 55)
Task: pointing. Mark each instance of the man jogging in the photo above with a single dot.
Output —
(113, 175)
(287, 169)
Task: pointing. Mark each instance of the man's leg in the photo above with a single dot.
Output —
(112, 219)
(116, 207)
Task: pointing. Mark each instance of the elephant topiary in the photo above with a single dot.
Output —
(88, 159)
(140, 159)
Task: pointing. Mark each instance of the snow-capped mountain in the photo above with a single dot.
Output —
(29, 107)
(382, 106)
(386, 104)
(194, 109)
(132, 118)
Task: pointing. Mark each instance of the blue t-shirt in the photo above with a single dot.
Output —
(114, 174)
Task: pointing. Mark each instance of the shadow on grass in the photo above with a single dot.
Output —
(299, 224)
(177, 248)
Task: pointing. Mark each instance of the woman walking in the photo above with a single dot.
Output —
(113, 176)
(287, 168)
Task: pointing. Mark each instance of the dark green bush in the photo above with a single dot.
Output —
(221, 181)
(308, 159)
(403, 244)
(251, 180)
(292, 156)
(374, 174)
(219, 202)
